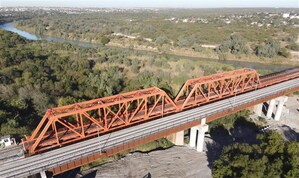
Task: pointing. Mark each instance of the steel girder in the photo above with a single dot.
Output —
(67, 124)
(75, 122)
(202, 90)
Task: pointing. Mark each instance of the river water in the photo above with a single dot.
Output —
(10, 27)
(259, 66)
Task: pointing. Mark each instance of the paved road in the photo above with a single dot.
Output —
(45, 161)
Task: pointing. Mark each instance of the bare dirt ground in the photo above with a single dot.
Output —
(177, 161)
(173, 162)
(288, 125)
(290, 115)
(289, 122)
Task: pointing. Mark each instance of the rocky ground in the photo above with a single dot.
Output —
(173, 162)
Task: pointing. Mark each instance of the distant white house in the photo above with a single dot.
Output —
(6, 141)
(285, 15)
(294, 17)
(227, 21)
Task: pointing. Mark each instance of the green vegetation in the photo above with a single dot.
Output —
(105, 40)
(269, 49)
(38, 75)
(269, 156)
(162, 143)
(235, 45)
(293, 46)
(228, 122)
(175, 31)
(273, 157)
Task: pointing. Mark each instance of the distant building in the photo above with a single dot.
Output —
(294, 17)
(285, 15)
(6, 141)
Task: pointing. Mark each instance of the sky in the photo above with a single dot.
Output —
(152, 3)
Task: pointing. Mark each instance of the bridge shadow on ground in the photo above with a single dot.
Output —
(75, 173)
(91, 174)
(69, 174)
(289, 133)
(243, 131)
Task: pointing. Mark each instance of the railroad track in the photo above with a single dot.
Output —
(279, 76)
(10, 152)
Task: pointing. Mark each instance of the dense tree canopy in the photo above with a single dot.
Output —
(38, 75)
(269, 49)
(236, 44)
(33, 79)
(273, 157)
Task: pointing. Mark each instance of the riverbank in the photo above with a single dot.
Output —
(263, 68)
(126, 43)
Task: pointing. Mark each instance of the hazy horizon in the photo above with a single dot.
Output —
(152, 3)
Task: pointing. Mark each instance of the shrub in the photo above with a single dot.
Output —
(160, 40)
(269, 49)
(105, 40)
(293, 46)
(236, 44)
(284, 52)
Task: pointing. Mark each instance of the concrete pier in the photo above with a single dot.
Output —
(193, 133)
(281, 102)
(270, 108)
(177, 138)
(200, 137)
(258, 109)
(43, 174)
(197, 135)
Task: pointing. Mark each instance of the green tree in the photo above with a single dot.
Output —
(160, 40)
(269, 49)
(105, 40)
(236, 44)
(273, 157)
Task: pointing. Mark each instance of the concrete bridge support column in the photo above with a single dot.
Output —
(193, 133)
(270, 108)
(281, 102)
(197, 135)
(258, 109)
(200, 137)
(43, 174)
(177, 138)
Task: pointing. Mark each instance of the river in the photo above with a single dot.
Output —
(259, 66)
(10, 27)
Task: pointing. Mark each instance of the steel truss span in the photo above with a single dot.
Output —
(78, 154)
(76, 122)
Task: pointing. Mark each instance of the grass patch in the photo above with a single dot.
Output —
(296, 93)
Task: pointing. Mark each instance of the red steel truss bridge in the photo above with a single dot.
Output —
(63, 131)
